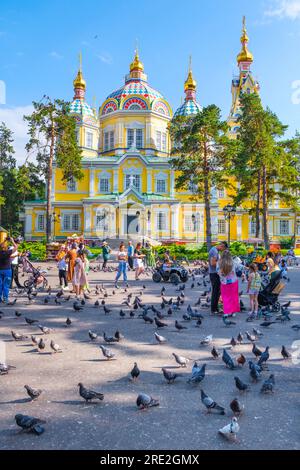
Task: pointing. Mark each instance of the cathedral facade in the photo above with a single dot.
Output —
(128, 188)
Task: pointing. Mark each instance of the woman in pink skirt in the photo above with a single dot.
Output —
(229, 285)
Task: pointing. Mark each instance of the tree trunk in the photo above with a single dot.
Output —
(265, 208)
(207, 200)
(257, 209)
(49, 185)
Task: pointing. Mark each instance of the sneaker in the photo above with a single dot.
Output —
(116, 286)
(66, 288)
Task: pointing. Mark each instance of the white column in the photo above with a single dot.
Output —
(113, 222)
(92, 182)
(239, 227)
(53, 186)
(115, 180)
(172, 183)
(214, 224)
(87, 220)
(175, 221)
(28, 225)
(149, 181)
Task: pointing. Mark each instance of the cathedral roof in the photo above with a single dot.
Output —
(190, 106)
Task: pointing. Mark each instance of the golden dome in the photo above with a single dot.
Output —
(136, 64)
(190, 83)
(244, 55)
(79, 81)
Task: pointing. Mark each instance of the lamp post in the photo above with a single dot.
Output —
(55, 218)
(229, 213)
(143, 217)
(196, 222)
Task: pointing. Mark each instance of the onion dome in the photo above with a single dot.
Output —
(79, 107)
(190, 106)
(245, 55)
(136, 94)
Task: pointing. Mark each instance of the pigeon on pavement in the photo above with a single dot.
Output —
(33, 393)
(145, 401)
(89, 395)
(30, 424)
(211, 405)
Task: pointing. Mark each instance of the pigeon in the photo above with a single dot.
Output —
(198, 323)
(268, 385)
(264, 356)
(266, 324)
(241, 360)
(284, 352)
(135, 372)
(241, 386)
(198, 373)
(233, 342)
(109, 339)
(5, 368)
(236, 407)
(131, 314)
(296, 327)
(145, 401)
(211, 405)
(17, 313)
(30, 424)
(93, 335)
(186, 317)
(59, 293)
(181, 360)
(179, 327)
(18, 336)
(41, 344)
(97, 303)
(77, 307)
(106, 310)
(227, 359)
(240, 338)
(55, 347)
(207, 340)
(89, 395)
(255, 371)
(160, 339)
(215, 354)
(57, 301)
(159, 323)
(147, 319)
(169, 376)
(170, 311)
(68, 322)
(45, 329)
(257, 352)
(250, 337)
(30, 321)
(122, 314)
(86, 296)
(107, 353)
(118, 335)
(227, 322)
(230, 430)
(33, 393)
(257, 332)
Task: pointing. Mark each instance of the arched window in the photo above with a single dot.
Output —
(134, 107)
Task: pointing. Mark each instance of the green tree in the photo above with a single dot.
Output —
(7, 163)
(265, 166)
(202, 155)
(53, 137)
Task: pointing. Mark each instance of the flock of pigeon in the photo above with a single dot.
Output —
(133, 306)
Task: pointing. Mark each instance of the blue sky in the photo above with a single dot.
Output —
(40, 41)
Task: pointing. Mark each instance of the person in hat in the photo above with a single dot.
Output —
(105, 254)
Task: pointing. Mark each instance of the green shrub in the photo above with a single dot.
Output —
(37, 250)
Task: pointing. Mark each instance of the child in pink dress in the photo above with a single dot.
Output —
(229, 285)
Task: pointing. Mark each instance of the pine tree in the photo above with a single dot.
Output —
(53, 137)
(202, 156)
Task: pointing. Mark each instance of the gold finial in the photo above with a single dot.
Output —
(245, 55)
(190, 83)
(79, 81)
(136, 64)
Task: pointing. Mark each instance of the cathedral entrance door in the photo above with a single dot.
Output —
(132, 224)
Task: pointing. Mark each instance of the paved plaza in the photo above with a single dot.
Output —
(269, 421)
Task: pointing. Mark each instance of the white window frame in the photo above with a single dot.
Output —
(89, 139)
(161, 221)
(161, 186)
(74, 223)
(109, 140)
(222, 227)
(161, 141)
(135, 138)
(137, 183)
(40, 227)
(104, 181)
(284, 231)
(188, 223)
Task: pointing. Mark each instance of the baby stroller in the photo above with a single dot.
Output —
(37, 276)
(268, 296)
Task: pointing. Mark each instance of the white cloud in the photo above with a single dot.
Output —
(56, 55)
(105, 57)
(284, 9)
(13, 118)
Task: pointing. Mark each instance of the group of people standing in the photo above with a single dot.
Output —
(130, 258)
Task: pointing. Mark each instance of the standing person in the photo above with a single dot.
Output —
(122, 268)
(15, 267)
(79, 278)
(130, 252)
(138, 261)
(229, 285)
(5, 268)
(213, 257)
(62, 272)
(254, 285)
(150, 258)
(71, 258)
(105, 253)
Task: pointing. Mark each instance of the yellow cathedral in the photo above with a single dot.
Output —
(128, 187)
